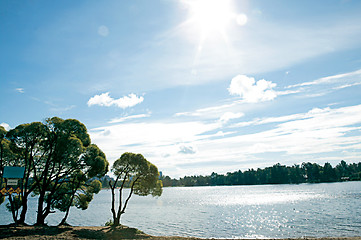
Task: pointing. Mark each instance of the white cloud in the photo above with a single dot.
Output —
(187, 150)
(103, 31)
(317, 131)
(207, 111)
(122, 119)
(333, 79)
(252, 91)
(230, 115)
(105, 100)
(311, 135)
(62, 109)
(20, 90)
(6, 126)
(347, 85)
(153, 137)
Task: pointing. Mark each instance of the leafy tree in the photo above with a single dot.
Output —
(312, 171)
(6, 158)
(342, 170)
(278, 174)
(79, 180)
(2, 144)
(25, 141)
(76, 193)
(59, 160)
(328, 173)
(295, 174)
(141, 176)
(67, 150)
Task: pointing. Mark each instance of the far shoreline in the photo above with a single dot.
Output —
(31, 232)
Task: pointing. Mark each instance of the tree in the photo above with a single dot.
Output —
(279, 174)
(295, 174)
(78, 191)
(2, 145)
(328, 173)
(59, 160)
(25, 142)
(66, 151)
(312, 171)
(141, 176)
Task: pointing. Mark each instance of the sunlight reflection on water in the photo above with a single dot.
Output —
(262, 198)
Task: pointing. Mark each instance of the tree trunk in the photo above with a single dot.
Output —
(24, 209)
(63, 222)
(116, 219)
(40, 219)
(112, 187)
(13, 210)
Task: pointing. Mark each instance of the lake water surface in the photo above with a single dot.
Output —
(263, 211)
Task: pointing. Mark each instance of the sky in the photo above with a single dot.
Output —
(196, 86)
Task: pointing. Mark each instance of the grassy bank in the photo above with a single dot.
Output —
(70, 232)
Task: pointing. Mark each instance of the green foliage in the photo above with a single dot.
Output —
(7, 156)
(96, 160)
(141, 176)
(62, 197)
(94, 187)
(59, 160)
(82, 200)
(2, 132)
(109, 223)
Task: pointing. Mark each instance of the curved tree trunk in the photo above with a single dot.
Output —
(63, 221)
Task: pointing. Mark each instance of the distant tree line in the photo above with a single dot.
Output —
(277, 174)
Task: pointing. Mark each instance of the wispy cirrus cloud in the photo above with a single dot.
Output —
(227, 116)
(124, 102)
(204, 111)
(353, 78)
(320, 132)
(123, 119)
(20, 90)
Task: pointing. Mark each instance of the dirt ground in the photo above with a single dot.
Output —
(70, 232)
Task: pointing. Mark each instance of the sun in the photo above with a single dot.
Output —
(211, 23)
(210, 16)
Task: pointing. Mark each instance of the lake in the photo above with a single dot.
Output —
(263, 211)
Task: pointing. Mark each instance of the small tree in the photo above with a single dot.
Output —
(141, 176)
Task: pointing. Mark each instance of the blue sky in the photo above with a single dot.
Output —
(195, 86)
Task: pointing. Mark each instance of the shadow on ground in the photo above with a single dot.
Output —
(7, 231)
(69, 232)
(120, 232)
